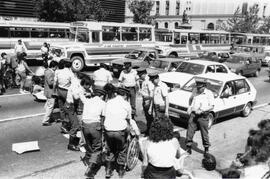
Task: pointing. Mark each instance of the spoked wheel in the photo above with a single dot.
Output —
(132, 154)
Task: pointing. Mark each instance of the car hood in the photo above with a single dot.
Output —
(233, 65)
(175, 77)
(155, 70)
(180, 98)
(121, 61)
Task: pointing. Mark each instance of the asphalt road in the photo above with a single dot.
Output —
(54, 154)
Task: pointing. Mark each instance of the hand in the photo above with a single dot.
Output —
(67, 105)
(167, 114)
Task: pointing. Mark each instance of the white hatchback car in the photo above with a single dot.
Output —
(187, 69)
(233, 93)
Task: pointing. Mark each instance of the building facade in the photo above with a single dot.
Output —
(202, 14)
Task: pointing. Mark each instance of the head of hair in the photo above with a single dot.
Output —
(110, 90)
(68, 64)
(86, 81)
(36, 80)
(45, 64)
(3, 54)
(61, 64)
(53, 64)
(161, 130)
(103, 65)
(230, 173)
(264, 124)
(209, 162)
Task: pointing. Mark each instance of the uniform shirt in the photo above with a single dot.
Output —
(92, 109)
(102, 77)
(129, 79)
(159, 93)
(44, 50)
(19, 48)
(116, 112)
(147, 87)
(203, 101)
(74, 91)
(63, 77)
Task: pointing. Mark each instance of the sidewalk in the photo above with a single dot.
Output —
(226, 139)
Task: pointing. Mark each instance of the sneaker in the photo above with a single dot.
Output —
(189, 150)
(26, 92)
(22, 91)
(46, 124)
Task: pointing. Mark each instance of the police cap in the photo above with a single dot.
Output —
(200, 82)
(99, 92)
(153, 75)
(122, 91)
(141, 71)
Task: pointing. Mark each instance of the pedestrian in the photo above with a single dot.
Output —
(48, 92)
(62, 81)
(3, 68)
(102, 76)
(19, 48)
(145, 91)
(44, 51)
(160, 101)
(160, 151)
(201, 104)
(21, 70)
(129, 80)
(117, 116)
(92, 119)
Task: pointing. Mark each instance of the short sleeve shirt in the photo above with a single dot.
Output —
(159, 93)
(102, 77)
(129, 79)
(63, 77)
(203, 101)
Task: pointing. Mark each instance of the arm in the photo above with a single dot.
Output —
(121, 77)
(27, 67)
(144, 147)
(50, 79)
(110, 78)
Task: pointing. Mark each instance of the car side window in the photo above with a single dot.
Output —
(228, 90)
(241, 86)
(210, 69)
(221, 69)
(173, 66)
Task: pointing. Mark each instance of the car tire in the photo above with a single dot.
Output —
(256, 74)
(247, 110)
(77, 63)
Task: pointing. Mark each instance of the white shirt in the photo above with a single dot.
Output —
(74, 91)
(256, 171)
(129, 79)
(204, 101)
(116, 112)
(63, 77)
(159, 93)
(44, 49)
(147, 87)
(92, 109)
(102, 77)
(19, 48)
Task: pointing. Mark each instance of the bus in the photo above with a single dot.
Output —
(32, 34)
(178, 42)
(101, 42)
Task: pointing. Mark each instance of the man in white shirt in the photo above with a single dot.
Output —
(117, 116)
(130, 80)
(19, 48)
(102, 76)
(202, 103)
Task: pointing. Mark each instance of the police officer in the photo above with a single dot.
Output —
(102, 76)
(160, 101)
(91, 128)
(201, 105)
(117, 116)
(129, 80)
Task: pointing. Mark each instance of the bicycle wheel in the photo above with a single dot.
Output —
(132, 154)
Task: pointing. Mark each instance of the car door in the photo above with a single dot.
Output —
(225, 103)
(242, 94)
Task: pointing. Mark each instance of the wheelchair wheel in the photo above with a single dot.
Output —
(132, 154)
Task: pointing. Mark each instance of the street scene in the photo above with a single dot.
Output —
(154, 89)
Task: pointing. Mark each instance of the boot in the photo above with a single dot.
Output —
(85, 160)
(91, 170)
(109, 169)
(189, 151)
(121, 171)
(64, 128)
(206, 150)
(71, 145)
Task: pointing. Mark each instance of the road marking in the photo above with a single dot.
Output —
(260, 105)
(21, 117)
(11, 95)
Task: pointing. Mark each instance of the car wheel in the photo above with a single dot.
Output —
(256, 74)
(247, 110)
(77, 63)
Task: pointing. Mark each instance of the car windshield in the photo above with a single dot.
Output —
(159, 64)
(137, 54)
(191, 68)
(213, 85)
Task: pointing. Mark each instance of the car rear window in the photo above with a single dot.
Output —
(190, 68)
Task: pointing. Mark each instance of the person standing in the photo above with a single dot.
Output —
(91, 127)
(129, 80)
(102, 76)
(117, 117)
(201, 104)
(48, 91)
(160, 101)
(19, 48)
(62, 81)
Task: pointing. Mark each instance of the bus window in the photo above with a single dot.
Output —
(183, 39)
(145, 34)
(95, 36)
(39, 33)
(20, 32)
(224, 39)
(4, 32)
(67, 33)
(83, 35)
(110, 33)
(214, 39)
(204, 38)
(129, 34)
(193, 38)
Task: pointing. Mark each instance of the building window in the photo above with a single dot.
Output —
(244, 8)
(156, 26)
(176, 25)
(157, 7)
(166, 25)
(167, 7)
(210, 26)
(177, 12)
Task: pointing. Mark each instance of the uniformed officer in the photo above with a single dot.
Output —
(160, 101)
(117, 117)
(201, 105)
(91, 128)
(129, 79)
(102, 76)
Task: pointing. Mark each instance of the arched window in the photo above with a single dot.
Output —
(156, 26)
(166, 25)
(176, 25)
(211, 26)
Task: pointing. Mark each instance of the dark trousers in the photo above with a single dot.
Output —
(132, 92)
(117, 146)
(153, 172)
(62, 96)
(159, 110)
(198, 122)
(93, 136)
(73, 118)
(146, 103)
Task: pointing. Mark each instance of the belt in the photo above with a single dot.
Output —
(160, 168)
(62, 88)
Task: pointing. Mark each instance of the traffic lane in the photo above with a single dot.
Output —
(18, 105)
(53, 147)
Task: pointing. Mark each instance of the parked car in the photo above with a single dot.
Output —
(187, 69)
(244, 64)
(233, 94)
(256, 51)
(217, 56)
(164, 65)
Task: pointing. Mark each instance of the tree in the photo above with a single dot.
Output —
(141, 10)
(265, 28)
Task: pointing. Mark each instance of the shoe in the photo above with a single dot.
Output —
(206, 150)
(121, 171)
(189, 151)
(22, 91)
(179, 173)
(108, 169)
(73, 147)
(91, 170)
(26, 92)
(64, 130)
(46, 124)
(85, 160)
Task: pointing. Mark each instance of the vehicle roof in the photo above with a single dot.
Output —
(172, 59)
(144, 49)
(224, 77)
(203, 62)
(243, 54)
(250, 45)
(217, 51)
